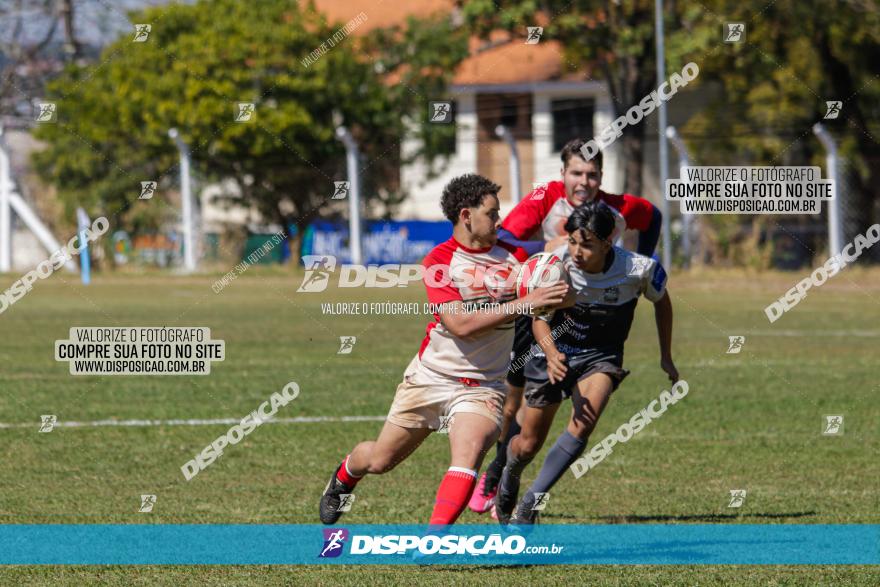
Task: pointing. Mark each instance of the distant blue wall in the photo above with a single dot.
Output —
(382, 242)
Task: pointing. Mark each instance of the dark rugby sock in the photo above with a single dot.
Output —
(493, 471)
(565, 451)
(513, 469)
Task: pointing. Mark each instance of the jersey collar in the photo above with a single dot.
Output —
(469, 249)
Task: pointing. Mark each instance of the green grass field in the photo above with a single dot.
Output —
(751, 421)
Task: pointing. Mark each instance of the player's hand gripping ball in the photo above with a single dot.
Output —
(540, 270)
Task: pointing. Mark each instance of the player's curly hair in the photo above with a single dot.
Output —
(465, 191)
(595, 217)
(573, 149)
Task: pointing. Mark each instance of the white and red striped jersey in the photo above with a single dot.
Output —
(476, 278)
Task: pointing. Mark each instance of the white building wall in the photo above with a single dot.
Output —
(424, 199)
(546, 162)
(612, 155)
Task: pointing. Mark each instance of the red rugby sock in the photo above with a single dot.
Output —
(452, 496)
(344, 476)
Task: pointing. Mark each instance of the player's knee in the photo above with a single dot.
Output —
(380, 464)
(529, 445)
(581, 428)
(582, 420)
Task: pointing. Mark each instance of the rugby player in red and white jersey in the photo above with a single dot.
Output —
(536, 224)
(457, 377)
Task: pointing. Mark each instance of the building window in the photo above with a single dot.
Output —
(509, 113)
(512, 110)
(572, 119)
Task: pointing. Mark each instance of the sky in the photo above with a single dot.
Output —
(97, 22)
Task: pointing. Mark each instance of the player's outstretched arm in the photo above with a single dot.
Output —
(556, 242)
(663, 317)
(530, 247)
(556, 368)
(464, 323)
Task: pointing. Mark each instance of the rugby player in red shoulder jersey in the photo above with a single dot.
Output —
(542, 214)
(457, 376)
(537, 224)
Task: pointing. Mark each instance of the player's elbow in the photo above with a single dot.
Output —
(466, 331)
(457, 326)
(663, 305)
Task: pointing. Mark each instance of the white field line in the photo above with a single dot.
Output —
(230, 421)
(816, 333)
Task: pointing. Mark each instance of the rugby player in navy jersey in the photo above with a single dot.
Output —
(542, 215)
(584, 360)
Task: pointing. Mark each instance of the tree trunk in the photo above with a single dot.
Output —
(71, 45)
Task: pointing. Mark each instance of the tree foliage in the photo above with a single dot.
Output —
(775, 85)
(199, 62)
(762, 95)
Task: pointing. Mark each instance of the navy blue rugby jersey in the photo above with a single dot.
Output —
(603, 313)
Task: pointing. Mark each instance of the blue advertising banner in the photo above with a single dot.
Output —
(618, 544)
(383, 242)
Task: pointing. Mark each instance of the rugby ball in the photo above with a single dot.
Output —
(540, 270)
